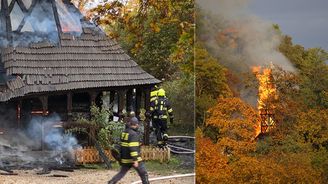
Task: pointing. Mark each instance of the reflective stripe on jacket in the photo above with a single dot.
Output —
(160, 108)
(153, 95)
(130, 146)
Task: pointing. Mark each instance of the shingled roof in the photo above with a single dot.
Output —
(90, 60)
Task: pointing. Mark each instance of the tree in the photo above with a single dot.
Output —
(181, 95)
(313, 128)
(210, 83)
(158, 34)
(236, 122)
(313, 72)
(211, 165)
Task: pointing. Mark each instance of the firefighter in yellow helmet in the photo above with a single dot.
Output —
(161, 110)
(153, 93)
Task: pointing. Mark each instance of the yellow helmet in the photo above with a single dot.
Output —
(161, 92)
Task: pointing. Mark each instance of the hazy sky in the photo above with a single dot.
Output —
(306, 21)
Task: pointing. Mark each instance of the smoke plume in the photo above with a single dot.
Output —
(40, 24)
(23, 147)
(240, 39)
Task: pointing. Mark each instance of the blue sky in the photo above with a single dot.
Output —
(306, 21)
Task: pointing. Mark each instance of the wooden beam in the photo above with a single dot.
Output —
(44, 101)
(111, 96)
(69, 106)
(93, 95)
(129, 100)
(6, 12)
(121, 102)
(147, 121)
(138, 101)
(56, 16)
(21, 5)
(18, 112)
(26, 15)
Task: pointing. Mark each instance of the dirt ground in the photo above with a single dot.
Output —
(82, 176)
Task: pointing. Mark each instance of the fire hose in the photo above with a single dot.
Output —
(185, 150)
(181, 136)
(167, 177)
(177, 149)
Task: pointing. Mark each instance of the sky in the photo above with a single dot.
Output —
(306, 21)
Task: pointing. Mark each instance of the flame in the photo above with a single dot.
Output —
(39, 112)
(68, 20)
(267, 95)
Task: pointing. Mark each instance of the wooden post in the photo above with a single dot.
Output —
(18, 112)
(93, 96)
(129, 99)
(121, 100)
(138, 101)
(44, 101)
(112, 97)
(69, 106)
(147, 121)
(7, 21)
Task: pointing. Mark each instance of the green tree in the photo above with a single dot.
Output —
(211, 82)
(181, 94)
(312, 72)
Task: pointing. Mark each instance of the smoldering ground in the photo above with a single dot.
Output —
(40, 142)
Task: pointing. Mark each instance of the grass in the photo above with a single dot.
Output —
(171, 167)
(182, 129)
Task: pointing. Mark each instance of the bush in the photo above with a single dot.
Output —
(181, 95)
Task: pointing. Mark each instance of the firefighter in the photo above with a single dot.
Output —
(130, 153)
(160, 109)
(153, 96)
(153, 93)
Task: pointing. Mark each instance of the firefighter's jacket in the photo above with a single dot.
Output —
(160, 108)
(153, 95)
(130, 146)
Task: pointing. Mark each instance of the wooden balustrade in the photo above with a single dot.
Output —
(88, 154)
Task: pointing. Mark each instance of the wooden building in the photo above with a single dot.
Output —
(52, 60)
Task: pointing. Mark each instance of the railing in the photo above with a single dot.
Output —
(88, 155)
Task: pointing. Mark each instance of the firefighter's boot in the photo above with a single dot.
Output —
(165, 137)
(160, 144)
(111, 182)
(144, 179)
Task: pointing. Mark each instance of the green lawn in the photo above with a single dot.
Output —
(171, 167)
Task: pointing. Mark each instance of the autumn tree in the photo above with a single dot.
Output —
(158, 34)
(211, 165)
(236, 122)
(211, 82)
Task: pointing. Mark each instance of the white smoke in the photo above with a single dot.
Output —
(40, 25)
(256, 39)
(40, 134)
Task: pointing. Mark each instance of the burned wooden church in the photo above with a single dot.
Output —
(53, 60)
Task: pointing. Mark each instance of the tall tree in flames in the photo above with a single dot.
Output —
(267, 93)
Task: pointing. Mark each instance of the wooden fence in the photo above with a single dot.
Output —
(88, 155)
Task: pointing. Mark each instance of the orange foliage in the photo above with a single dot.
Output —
(209, 161)
(233, 158)
(236, 121)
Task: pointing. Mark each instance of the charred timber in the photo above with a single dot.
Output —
(6, 170)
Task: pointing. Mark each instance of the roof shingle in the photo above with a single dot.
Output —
(89, 61)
